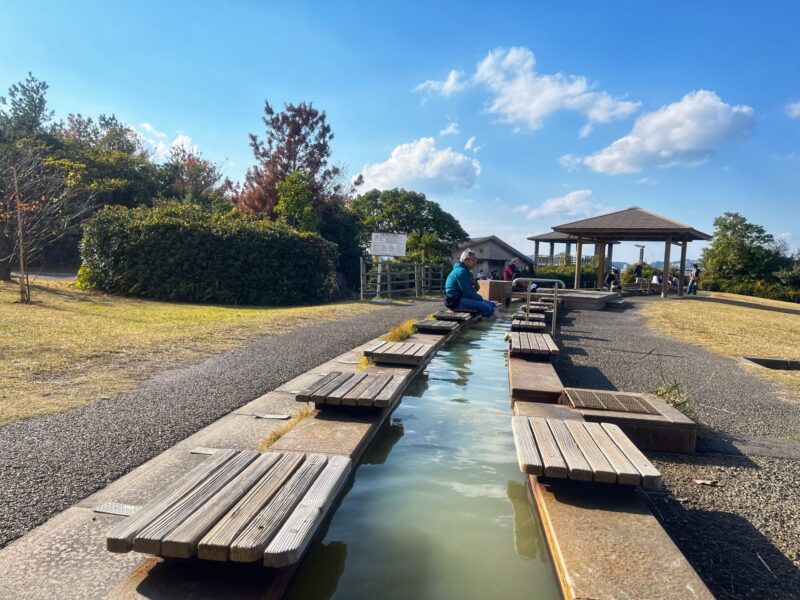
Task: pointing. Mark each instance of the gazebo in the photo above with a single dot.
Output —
(632, 225)
(554, 237)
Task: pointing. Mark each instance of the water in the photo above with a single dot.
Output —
(438, 508)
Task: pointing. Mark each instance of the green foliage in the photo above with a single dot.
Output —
(740, 249)
(751, 287)
(24, 113)
(182, 252)
(295, 207)
(566, 273)
(627, 275)
(340, 226)
(432, 232)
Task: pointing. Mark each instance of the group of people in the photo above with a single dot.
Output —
(694, 280)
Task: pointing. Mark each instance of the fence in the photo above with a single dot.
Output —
(389, 278)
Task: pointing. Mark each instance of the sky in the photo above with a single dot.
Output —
(515, 117)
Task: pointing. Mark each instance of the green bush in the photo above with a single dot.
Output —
(751, 287)
(176, 251)
(566, 273)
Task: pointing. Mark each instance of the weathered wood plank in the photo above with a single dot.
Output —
(215, 545)
(528, 457)
(367, 397)
(603, 472)
(321, 394)
(120, 537)
(446, 315)
(148, 540)
(250, 544)
(553, 464)
(389, 391)
(627, 474)
(550, 343)
(305, 395)
(291, 541)
(335, 397)
(351, 397)
(651, 478)
(182, 541)
(577, 467)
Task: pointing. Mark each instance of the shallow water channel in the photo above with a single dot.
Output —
(438, 507)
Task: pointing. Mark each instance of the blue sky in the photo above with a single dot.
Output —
(686, 109)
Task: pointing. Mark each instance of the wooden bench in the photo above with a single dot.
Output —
(238, 506)
(649, 421)
(353, 389)
(536, 325)
(528, 344)
(598, 452)
(435, 326)
(399, 353)
(449, 315)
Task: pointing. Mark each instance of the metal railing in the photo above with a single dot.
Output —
(557, 283)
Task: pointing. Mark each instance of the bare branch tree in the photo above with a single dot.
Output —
(41, 200)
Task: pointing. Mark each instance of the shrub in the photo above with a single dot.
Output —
(181, 252)
(752, 287)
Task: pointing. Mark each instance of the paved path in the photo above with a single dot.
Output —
(48, 464)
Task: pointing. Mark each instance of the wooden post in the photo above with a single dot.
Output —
(569, 247)
(610, 255)
(536, 253)
(389, 280)
(665, 275)
(362, 269)
(601, 266)
(24, 289)
(552, 251)
(682, 275)
(578, 251)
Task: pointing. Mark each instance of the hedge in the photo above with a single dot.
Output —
(175, 251)
(752, 287)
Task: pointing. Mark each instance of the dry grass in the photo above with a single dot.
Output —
(753, 328)
(73, 347)
(274, 436)
(364, 362)
(401, 332)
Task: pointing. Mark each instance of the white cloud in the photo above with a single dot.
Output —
(522, 96)
(471, 145)
(572, 204)
(682, 133)
(570, 162)
(451, 129)
(420, 166)
(150, 130)
(156, 142)
(793, 109)
(453, 84)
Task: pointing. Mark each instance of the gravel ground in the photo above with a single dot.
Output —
(48, 464)
(742, 535)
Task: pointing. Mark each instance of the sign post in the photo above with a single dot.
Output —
(386, 244)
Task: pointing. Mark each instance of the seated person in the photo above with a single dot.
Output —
(511, 272)
(612, 279)
(458, 290)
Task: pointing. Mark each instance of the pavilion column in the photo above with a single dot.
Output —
(610, 260)
(569, 247)
(684, 244)
(552, 251)
(601, 265)
(664, 281)
(536, 254)
(578, 250)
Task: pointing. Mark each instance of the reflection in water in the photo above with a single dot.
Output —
(438, 508)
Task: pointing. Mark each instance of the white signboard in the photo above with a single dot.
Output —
(388, 244)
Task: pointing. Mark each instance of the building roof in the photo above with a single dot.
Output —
(562, 238)
(631, 224)
(493, 238)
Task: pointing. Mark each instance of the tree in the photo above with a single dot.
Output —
(432, 232)
(192, 178)
(740, 249)
(24, 112)
(295, 206)
(40, 201)
(340, 226)
(297, 139)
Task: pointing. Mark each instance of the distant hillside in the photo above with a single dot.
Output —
(675, 264)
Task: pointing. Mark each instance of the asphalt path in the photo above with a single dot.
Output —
(50, 463)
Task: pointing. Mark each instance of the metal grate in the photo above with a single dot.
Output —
(602, 400)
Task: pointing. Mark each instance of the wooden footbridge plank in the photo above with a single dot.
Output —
(435, 326)
(581, 451)
(528, 343)
(449, 315)
(362, 389)
(523, 325)
(401, 353)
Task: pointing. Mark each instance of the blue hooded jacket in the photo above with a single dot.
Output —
(459, 281)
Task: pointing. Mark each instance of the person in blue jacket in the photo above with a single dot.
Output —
(459, 292)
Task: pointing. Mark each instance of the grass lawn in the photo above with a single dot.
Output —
(72, 347)
(734, 326)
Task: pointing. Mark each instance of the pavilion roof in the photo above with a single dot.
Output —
(561, 238)
(632, 224)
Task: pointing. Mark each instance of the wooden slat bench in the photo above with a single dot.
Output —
(528, 344)
(598, 452)
(536, 325)
(399, 353)
(449, 315)
(353, 389)
(649, 421)
(435, 326)
(238, 506)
